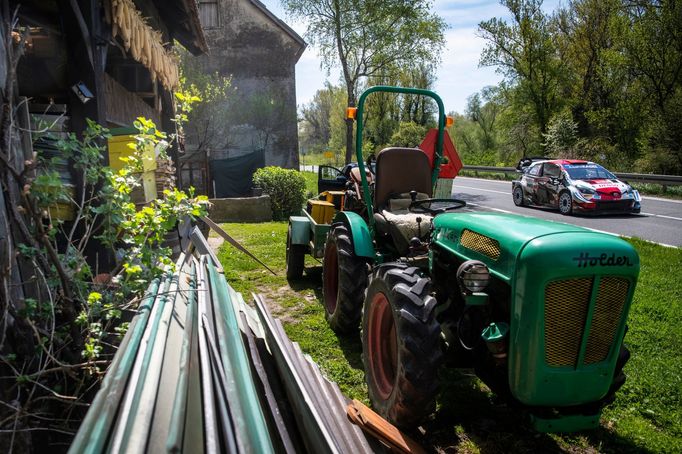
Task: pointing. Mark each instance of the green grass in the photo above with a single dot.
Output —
(310, 183)
(647, 413)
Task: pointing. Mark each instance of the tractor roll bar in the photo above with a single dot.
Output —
(358, 139)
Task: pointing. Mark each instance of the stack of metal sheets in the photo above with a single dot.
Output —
(201, 371)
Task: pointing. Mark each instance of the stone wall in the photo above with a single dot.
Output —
(241, 209)
(260, 54)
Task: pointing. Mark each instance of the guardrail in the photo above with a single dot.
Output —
(664, 180)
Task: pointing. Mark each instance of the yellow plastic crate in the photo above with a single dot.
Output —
(335, 198)
(321, 211)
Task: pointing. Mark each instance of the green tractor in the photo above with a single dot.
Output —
(538, 309)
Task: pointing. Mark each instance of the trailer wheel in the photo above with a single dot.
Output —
(344, 280)
(295, 258)
(401, 348)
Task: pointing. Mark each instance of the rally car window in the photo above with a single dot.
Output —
(588, 172)
(535, 170)
(551, 170)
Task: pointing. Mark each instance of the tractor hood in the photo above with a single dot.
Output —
(494, 238)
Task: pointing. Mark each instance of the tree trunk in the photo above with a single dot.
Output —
(350, 145)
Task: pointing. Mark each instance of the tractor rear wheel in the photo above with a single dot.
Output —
(401, 348)
(295, 259)
(344, 280)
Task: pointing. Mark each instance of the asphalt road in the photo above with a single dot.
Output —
(660, 220)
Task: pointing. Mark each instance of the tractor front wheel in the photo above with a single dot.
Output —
(344, 280)
(401, 348)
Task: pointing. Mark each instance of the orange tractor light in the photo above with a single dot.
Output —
(351, 113)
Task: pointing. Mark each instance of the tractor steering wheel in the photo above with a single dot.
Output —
(425, 206)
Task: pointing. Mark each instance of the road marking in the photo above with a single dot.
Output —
(507, 192)
(660, 199)
(661, 216)
(483, 179)
(588, 228)
(484, 190)
(491, 208)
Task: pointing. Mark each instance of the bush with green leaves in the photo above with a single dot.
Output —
(286, 188)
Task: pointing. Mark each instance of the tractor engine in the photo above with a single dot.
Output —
(539, 310)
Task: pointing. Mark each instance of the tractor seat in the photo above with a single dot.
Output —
(399, 171)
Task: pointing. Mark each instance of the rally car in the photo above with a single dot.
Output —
(572, 186)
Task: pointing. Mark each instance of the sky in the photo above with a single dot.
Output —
(458, 75)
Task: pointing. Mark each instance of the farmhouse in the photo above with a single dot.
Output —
(259, 51)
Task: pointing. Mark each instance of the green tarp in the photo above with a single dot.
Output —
(233, 176)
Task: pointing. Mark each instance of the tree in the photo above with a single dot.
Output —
(524, 51)
(409, 134)
(483, 109)
(206, 126)
(315, 119)
(366, 37)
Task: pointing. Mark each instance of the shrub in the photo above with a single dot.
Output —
(286, 188)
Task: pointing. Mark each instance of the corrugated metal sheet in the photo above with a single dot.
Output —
(201, 371)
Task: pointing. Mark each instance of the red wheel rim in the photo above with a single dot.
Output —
(331, 278)
(383, 345)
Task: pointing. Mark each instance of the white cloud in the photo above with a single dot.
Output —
(458, 75)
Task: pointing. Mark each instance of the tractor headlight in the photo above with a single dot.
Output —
(473, 276)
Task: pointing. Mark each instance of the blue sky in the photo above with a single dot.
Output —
(458, 75)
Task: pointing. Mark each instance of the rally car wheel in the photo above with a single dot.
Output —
(518, 196)
(565, 203)
(401, 348)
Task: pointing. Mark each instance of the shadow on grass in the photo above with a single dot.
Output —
(470, 418)
(350, 344)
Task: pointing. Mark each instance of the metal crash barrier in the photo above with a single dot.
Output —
(199, 370)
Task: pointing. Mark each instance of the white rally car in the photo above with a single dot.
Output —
(573, 186)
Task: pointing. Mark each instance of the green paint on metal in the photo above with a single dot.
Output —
(476, 299)
(94, 431)
(358, 138)
(528, 254)
(560, 258)
(138, 407)
(495, 332)
(250, 420)
(300, 230)
(511, 232)
(569, 423)
(360, 234)
(176, 430)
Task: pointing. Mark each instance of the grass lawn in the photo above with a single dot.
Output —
(647, 414)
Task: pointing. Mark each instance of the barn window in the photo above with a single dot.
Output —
(208, 13)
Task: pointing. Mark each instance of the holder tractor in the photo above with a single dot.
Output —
(538, 309)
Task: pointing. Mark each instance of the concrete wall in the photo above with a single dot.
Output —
(246, 209)
(260, 55)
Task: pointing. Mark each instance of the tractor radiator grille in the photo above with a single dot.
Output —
(566, 304)
(566, 308)
(480, 243)
(613, 292)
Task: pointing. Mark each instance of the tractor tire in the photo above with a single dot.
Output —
(401, 345)
(344, 280)
(517, 195)
(295, 258)
(565, 203)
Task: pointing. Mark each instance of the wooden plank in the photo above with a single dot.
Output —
(381, 429)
